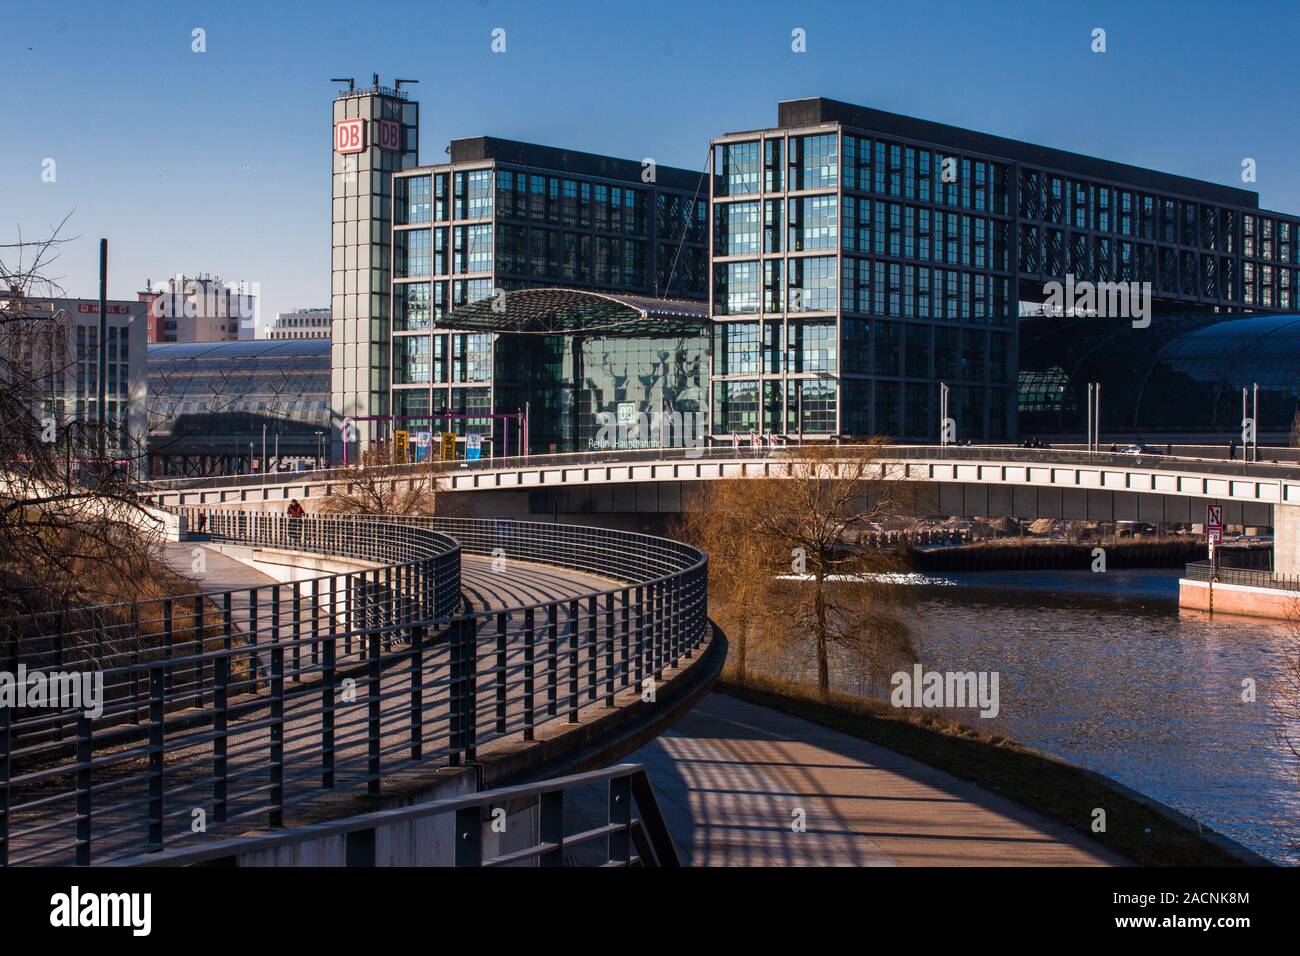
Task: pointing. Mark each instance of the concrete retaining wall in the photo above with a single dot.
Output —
(1238, 599)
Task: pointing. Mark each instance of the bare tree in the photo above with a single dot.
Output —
(376, 488)
(786, 561)
(741, 572)
(73, 528)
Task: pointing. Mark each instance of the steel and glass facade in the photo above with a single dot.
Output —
(850, 263)
(860, 258)
(505, 216)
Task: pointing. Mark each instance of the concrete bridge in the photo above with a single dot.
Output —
(984, 481)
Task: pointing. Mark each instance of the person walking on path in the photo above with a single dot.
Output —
(296, 514)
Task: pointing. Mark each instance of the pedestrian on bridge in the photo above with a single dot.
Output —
(296, 514)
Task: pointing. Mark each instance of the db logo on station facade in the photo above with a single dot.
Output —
(350, 135)
(390, 135)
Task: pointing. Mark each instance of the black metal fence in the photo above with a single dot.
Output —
(635, 832)
(229, 708)
(1206, 571)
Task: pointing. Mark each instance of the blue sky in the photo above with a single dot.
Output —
(219, 162)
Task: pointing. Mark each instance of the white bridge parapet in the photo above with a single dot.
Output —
(969, 480)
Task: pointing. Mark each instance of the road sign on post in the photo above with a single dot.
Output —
(1214, 532)
(1214, 519)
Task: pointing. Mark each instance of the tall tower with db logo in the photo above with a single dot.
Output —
(376, 131)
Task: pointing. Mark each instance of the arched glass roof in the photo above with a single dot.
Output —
(1182, 374)
(575, 311)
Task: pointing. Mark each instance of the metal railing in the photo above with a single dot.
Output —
(120, 642)
(974, 453)
(1205, 571)
(625, 839)
(230, 708)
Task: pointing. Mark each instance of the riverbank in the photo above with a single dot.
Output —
(1015, 554)
(1138, 828)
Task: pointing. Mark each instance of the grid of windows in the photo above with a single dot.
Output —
(917, 236)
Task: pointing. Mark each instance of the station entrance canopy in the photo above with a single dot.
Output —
(578, 312)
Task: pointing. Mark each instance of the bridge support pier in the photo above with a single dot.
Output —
(1286, 539)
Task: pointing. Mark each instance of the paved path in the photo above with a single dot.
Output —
(731, 775)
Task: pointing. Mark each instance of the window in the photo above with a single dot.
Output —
(737, 348)
(413, 255)
(471, 357)
(811, 347)
(814, 162)
(813, 223)
(740, 168)
(415, 199)
(812, 285)
(738, 229)
(412, 354)
(411, 307)
(772, 165)
(736, 287)
(473, 252)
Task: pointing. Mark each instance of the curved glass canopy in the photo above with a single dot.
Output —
(575, 312)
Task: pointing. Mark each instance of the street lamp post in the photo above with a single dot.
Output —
(1254, 416)
(943, 415)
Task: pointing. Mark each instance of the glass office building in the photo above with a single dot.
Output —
(838, 269)
(860, 258)
(502, 217)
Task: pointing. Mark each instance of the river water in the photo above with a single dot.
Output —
(1105, 671)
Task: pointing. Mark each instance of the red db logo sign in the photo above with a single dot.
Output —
(350, 135)
(390, 136)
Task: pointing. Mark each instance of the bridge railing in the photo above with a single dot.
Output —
(235, 713)
(955, 453)
(1206, 571)
(626, 839)
(116, 643)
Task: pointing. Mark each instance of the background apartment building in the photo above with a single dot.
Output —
(200, 309)
(299, 324)
(60, 339)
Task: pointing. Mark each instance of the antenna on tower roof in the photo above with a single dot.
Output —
(397, 84)
(345, 79)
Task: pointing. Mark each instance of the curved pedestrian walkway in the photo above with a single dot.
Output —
(735, 780)
(483, 585)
